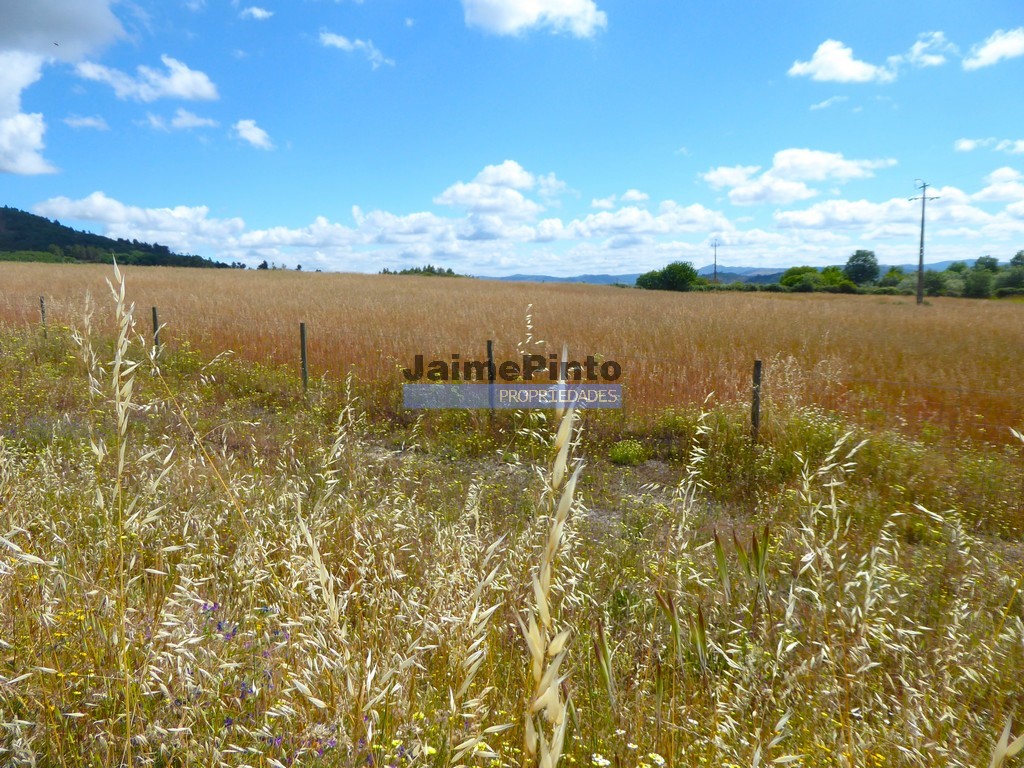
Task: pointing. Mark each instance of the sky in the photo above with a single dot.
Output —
(497, 137)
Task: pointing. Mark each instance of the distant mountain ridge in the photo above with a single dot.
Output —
(726, 274)
(27, 237)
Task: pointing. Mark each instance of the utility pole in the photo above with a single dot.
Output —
(714, 244)
(920, 257)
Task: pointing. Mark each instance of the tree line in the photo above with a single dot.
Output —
(862, 274)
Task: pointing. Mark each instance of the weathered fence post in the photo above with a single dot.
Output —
(305, 366)
(156, 331)
(492, 376)
(755, 404)
(42, 313)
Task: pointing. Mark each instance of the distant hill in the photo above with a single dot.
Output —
(27, 237)
(629, 279)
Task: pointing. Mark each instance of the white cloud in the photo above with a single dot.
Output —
(21, 142)
(497, 189)
(1010, 146)
(507, 174)
(96, 122)
(770, 190)
(833, 62)
(785, 181)
(929, 50)
(1002, 185)
(366, 47)
(33, 32)
(1000, 45)
(730, 175)
(604, 203)
(76, 26)
(185, 228)
(634, 196)
(830, 102)
(183, 120)
(848, 214)
(550, 185)
(248, 131)
(256, 13)
(969, 145)
(178, 81)
(814, 165)
(21, 135)
(580, 18)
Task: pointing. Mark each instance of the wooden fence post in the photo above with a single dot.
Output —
(156, 331)
(305, 366)
(755, 405)
(492, 376)
(42, 313)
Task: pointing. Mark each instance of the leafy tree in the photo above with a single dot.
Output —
(808, 282)
(934, 283)
(263, 265)
(1011, 278)
(958, 266)
(862, 267)
(978, 284)
(892, 278)
(832, 276)
(1018, 260)
(834, 280)
(988, 263)
(677, 276)
(794, 275)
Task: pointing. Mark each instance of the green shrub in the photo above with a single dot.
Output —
(627, 453)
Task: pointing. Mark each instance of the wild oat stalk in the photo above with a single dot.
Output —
(546, 642)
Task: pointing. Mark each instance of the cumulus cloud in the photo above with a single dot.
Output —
(496, 190)
(181, 227)
(249, 132)
(256, 13)
(833, 62)
(634, 196)
(786, 181)
(178, 81)
(33, 32)
(848, 214)
(77, 26)
(21, 135)
(1002, 185)
(580, 18)
(365, 47)
(1000, 45)
(814, 165)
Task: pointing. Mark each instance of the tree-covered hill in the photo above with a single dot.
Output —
(27, 237)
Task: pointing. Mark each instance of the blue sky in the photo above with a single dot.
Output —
(504, 136)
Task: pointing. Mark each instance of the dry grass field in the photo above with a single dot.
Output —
(955, 365)
(199, 566)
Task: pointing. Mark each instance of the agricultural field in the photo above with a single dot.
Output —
(203, 565)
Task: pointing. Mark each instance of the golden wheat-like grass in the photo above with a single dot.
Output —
(881, 359)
